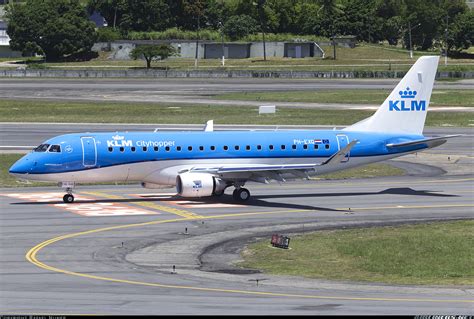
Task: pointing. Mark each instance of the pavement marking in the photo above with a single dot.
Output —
(203, 204)
(31, 257)
(103, 209)
(147, 204)
(172, 210)
(170, 198)
(41, 197)
(81, 206)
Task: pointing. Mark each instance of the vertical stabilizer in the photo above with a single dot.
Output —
(404, 111)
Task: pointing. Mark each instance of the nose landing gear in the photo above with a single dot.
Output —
(68, 198)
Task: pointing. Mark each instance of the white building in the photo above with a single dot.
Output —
(5, 51)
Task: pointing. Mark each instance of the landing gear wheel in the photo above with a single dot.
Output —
(68, 198)
(241, 194)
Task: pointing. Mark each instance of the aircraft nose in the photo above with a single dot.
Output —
(22, 166)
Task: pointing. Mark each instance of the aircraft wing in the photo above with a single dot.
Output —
(262, 173)
(430, 142)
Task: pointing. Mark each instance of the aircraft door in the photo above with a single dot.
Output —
(343, 141)
(89, 151)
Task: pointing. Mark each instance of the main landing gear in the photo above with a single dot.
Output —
(241, 194)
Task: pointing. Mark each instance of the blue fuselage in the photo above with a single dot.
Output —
(90, 151)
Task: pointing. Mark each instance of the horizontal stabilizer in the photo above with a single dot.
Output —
(431, 142)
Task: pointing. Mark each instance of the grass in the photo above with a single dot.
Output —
(434, 254)
(77, 112)
(363, 96)
(362, 58)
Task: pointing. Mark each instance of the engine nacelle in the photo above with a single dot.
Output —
(199, 185)
(154, 186)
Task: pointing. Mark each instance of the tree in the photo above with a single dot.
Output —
(55, 28)
(424, 17)
(330, 12)
(263, 18)
(194, 13)
(133, 15)
(461, 32)
(360, 19)
(237, 27)
(152, 51)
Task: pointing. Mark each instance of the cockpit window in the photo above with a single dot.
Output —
(41, 148)
(55, 149)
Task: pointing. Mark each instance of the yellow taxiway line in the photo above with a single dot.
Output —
(175, 211)
(31, 256)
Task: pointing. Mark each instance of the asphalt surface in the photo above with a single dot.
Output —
(188, 90)
(85, 269)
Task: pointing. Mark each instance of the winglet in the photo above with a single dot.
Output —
(340, 155)
(209, 126)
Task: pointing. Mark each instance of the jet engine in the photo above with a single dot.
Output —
(199, 185)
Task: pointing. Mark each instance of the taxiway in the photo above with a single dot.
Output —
(112, 252)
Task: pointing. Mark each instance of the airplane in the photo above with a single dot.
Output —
(206, 163)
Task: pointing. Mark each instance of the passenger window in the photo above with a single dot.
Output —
(293, 147)
(133, 148)
(155, 148)
(316, 146)
(247, 147)
(178, 148)
(145, 148)
(55, 149)
(190, 148)
(327, 146)
(236, 147)
(270, 147)
(213, 148)
(305, 146)
(122, 149)
(111, 149)
(226, 147)
(201, 148)
(259, 147)
(167, 148)
(283, 147)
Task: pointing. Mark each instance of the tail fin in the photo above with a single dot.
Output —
(404, 111)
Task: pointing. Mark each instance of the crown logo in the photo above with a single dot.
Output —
(407, 94)
(118, 137)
